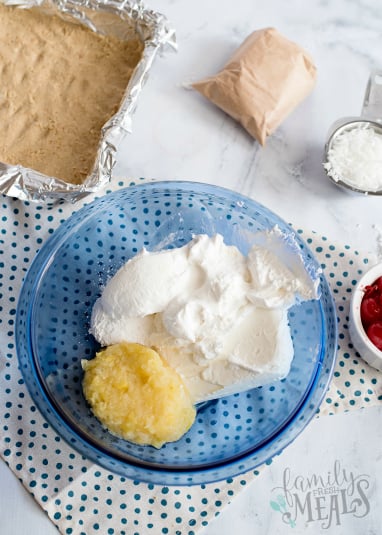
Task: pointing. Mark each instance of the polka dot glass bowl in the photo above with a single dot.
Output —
(230, 435)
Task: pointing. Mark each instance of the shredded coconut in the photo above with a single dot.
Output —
(355, 158)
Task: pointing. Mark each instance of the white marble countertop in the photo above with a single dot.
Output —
(178, 134)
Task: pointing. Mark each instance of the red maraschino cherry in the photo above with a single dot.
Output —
(371, 312)
(374, 332)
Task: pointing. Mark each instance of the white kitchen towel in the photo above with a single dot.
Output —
(84, 499)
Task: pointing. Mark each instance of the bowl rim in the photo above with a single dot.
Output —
(54, 241)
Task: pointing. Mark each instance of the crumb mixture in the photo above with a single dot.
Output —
(60, 83)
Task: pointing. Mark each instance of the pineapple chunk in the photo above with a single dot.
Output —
(136, 395)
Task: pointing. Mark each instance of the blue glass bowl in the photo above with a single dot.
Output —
(230, 435)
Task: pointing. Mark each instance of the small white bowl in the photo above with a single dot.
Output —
(365, 347)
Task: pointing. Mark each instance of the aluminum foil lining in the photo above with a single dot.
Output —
(120, 18)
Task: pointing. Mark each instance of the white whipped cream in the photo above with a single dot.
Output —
(218, 317)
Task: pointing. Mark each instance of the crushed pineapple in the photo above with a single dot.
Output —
(136, 395)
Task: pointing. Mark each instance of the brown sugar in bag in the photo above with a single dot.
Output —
(265, 79)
